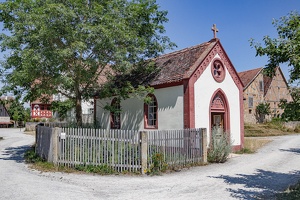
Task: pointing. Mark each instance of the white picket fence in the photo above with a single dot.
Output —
(123, 150)
(116, 148)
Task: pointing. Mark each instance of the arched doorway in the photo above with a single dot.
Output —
(219, 111)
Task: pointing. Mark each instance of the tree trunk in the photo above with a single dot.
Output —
(78, 111)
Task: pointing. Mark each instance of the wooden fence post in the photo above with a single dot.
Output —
(204, 144)
(54, 139)
(144, 151)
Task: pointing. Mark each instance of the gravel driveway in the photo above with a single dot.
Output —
(255, 176)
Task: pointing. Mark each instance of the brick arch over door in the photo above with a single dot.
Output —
(219, 110)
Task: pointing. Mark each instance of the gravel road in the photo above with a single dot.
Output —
(254, 176)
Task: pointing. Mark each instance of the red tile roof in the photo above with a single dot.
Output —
(176, 66)
(248, 76)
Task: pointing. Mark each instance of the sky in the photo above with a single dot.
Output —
(190, 23)
(238, 21)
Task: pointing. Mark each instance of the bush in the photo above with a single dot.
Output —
(158, 164)
(220, 146)
(31, 157)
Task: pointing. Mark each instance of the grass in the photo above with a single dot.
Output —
(273, 128)
(40, 164)
(252, 144)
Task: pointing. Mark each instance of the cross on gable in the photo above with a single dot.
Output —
(215, 30)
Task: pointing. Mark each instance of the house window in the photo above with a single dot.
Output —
(115, 121)
(150, 112)
(250, 103)
(261, 86)
(91, 110)
(218, 70)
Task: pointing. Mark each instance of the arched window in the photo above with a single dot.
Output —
(150, 112)
(115, 116)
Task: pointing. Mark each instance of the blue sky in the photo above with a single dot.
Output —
(238, 21)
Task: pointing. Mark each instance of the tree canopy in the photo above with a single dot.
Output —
(291, 109)
(285, 48)
(64, 46)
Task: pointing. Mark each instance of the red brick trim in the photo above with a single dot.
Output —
(189, 103)
(235, 148)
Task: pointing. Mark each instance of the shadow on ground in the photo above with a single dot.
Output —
(261, 185)
(292, 150)
(14, 153)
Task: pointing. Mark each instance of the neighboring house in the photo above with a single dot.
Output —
(253, 81)
(4, 117)
(5, 120)
(276, 88)
(259, 88)
(197, 87)
(41, 110)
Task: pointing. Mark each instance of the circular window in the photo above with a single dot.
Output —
(218, 70)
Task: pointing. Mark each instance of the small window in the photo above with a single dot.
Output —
(115, 121)
(91, 110)
(261, 86)
(150, 112)
(250, 103)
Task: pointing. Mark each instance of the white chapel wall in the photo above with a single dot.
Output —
(170, 110)
(204, 88)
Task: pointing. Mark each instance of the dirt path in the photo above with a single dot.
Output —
(259, 175)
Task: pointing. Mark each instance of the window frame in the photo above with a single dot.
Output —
(261, 86)
(252, 101)
(155, 113)
(219, 77)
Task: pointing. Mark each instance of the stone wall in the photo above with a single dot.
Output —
(256, 93)
(292, 125)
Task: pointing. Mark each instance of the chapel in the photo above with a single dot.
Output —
(196, 87)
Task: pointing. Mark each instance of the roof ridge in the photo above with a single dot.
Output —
(183, 50)
(251, 70)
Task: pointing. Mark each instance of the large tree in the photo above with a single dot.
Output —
(285, 48)
(64, 46)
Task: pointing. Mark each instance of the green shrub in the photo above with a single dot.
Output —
(158, 164)
(220, 146)
(31, 157)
